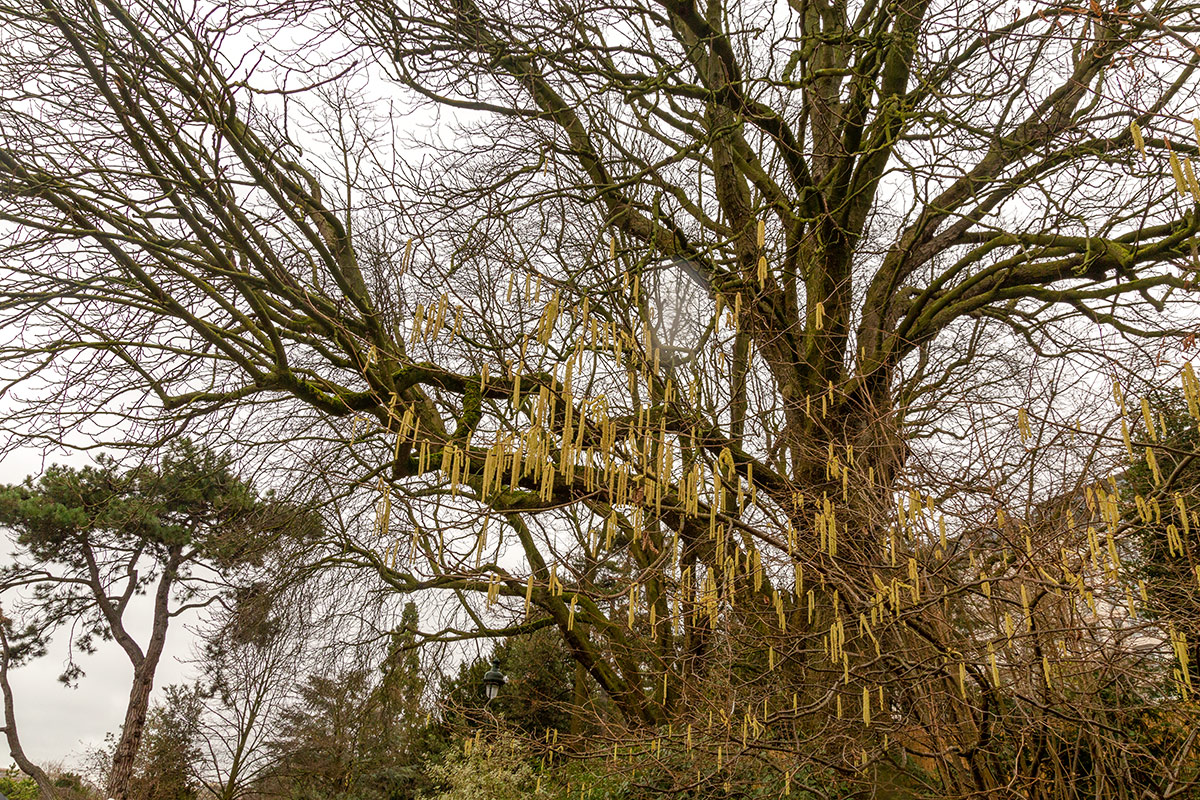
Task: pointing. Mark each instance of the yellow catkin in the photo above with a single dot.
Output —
(1138, 142)
(1190, 174)
(1177, 171)
(1191, 389)
(1183, 673)
(548, 318)
(383, 511)
(1152, 462)
(406, 261)
(418, 318)
(1148, 419)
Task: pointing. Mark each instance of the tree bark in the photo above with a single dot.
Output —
(45, 786)
(143, 683)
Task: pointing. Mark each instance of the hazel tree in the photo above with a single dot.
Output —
(731, 341)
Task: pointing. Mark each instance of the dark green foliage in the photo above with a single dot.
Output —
(537, 696)
(362, 733)
(400, 736)
(321, 741)
(90, 539)
(401, 685)
(359, 733)
(100, 522)
(190, 498)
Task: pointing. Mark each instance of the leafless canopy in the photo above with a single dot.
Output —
(733, 340)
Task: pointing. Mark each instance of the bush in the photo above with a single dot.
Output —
(15, 786)
(485, 770)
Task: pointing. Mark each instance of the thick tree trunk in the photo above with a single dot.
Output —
(131, 733)
(143, 683)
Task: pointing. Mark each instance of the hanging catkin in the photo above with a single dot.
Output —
(1135, 131)
(383, 510)
(1148, 420)
(418, 318)
(1189, 173)
(1176, 170)
(481, 543)
(1126, 439)
(1152, 462)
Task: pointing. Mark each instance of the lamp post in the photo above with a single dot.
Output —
(493, 679)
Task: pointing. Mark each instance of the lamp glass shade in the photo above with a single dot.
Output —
(493, 679)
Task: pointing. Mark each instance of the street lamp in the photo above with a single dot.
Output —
(493, 679)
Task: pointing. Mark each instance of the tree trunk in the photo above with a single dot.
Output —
(45, 786)
(131, 733)
(143, 683)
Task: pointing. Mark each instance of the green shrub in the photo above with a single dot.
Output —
(15, 786)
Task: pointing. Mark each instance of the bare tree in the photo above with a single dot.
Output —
(256, 651)
(729, 340)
